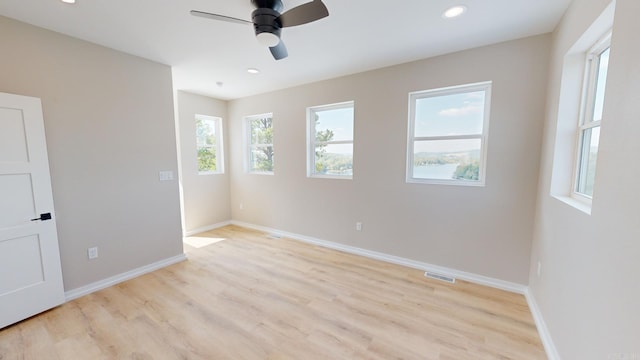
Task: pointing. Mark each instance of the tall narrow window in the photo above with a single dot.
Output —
(330, 140)
(447, 140)
(209, 145)
(591, 118)
(259, 139)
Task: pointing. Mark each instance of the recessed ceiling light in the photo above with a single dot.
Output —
(253, 71)
(69, 1)
(454, 12)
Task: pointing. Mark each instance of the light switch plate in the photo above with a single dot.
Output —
(166, 175)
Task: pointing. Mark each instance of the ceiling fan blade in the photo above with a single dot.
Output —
(304, 14)
(219, 17)
(279, 51)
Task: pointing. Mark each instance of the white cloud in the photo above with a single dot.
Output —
(462, 111)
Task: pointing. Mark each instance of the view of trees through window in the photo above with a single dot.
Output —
(332, 140)
(207, 144)
(261, 154)
(447, 160)
(447, 133)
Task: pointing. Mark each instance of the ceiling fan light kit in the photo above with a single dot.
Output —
(268, 21)
(268, 39)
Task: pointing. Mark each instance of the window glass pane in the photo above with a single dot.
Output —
(455, 114)
(588, 159)
(260, 154)
(334, 125)
(601, 82)
(206, 159)
(447, 159)
(334, 159)
(261, 131)
(261, 159)
(201, 140)
(205, 132)
(206, 139)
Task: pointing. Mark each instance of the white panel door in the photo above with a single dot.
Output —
(30, 273)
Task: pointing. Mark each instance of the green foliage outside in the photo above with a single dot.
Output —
(262, 154)
(468, 163)
(206, 142)
(206, 159)
(467, 171)
(424, 159)
(322, 137)
(330, 163)
(334, 164)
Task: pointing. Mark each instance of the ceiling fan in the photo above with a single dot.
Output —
(268, 21)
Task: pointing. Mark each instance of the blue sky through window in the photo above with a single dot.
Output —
(601, 84)
(338, 120)
(456, 114)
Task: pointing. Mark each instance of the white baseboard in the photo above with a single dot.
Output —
(206, 228)
(545, 336)
(102, 284)
(543, 331)
(462, 275)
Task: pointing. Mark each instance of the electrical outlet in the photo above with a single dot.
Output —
(359, 226)
(92, 253)
(539, 268)
(241, 206)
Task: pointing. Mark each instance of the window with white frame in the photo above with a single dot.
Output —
(209, 145)
(596, 69)
(259, 140)
(330, 140)
(448, 131)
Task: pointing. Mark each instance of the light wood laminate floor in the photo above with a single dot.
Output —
(253, 297)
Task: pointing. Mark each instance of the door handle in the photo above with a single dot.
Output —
(43, 217)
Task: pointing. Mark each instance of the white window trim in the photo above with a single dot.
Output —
(218, 147)
(411, 139)
(311, 139)
(586, 112)
(246, 128)
(569, 108)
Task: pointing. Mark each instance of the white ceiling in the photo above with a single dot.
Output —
(358, 35)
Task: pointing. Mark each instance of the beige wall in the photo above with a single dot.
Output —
(483, 230)
(589, 287)
(110, 130)
(205, 197)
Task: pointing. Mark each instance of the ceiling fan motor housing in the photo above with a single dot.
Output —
(266, 16)
(267, 20)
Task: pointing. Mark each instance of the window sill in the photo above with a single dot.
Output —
(580, 205)
(445, 182)
(337, 177)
